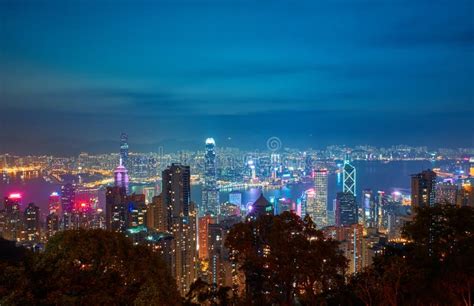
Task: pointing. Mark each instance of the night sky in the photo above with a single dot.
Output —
(74, 74)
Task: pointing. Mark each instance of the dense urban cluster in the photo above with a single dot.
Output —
(226, 244)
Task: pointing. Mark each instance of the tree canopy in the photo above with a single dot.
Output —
(285, 259)
(434, 267)
(90, 267)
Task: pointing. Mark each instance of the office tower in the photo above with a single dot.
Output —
(446, 193)
(54, 204)
(12, 217)
(203, 226)
(124, 149)
(346, 209)
(235, 197)
(259, 208)
(115, 209)
(320, 198)
(368, 208)
(68, 198)
(210, 192)
(379, 209)
(32, 222)
(136, 210)
(181, 224)
(332, 214)
(349, 177)
(423, 192)
(52, 224)
(307, 199)
(121, 176)
(308, 165)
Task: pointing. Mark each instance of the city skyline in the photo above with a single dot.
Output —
(171, 73)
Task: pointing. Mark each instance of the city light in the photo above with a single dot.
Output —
(14, 196)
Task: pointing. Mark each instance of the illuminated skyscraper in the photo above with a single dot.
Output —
(115, 209)
(423, 186)
(368, 209)
(235, 197)
(157, 215)
(181, 224)
(203, 226)
(32, 222)
(349, 177)
(465, 196)
(68, 197)
(346, 210)
(210, 192)
(446, 193)
(52, 224)
(13, 218)
(136, 210)
(121, 176)
(351, 244)
(54, 204)
(319, 215)
(124, 149)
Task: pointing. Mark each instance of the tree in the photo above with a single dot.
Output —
(93, 267)
(435, 266)
(285, 259)
(202, 293)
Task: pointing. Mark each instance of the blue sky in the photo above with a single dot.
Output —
(76, 73)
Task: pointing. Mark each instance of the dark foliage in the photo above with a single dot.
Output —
(436, 266)
(285, 259)
(88, 267)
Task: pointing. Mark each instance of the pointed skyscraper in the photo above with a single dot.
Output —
(121, 176)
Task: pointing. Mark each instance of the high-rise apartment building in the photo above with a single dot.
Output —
(181, 224)
(423, 192)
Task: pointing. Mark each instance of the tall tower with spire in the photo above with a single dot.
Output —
(349, 176)
(210, 192)
(121, 176)
(124, 149)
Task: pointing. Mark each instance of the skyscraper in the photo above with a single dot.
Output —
(12, 217)
(136, 210)
(121, 176)
(115, 209)
(446, 193)
(210, 192)
(52, 224)
(54, 204)
(181, 224)
(203, 226)
(68, 197)
(368, 208)
(157, 215)
(124, 149)
(423, 186)
(346, 213)
(349, 177)
(32, 222)
(319, 215)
